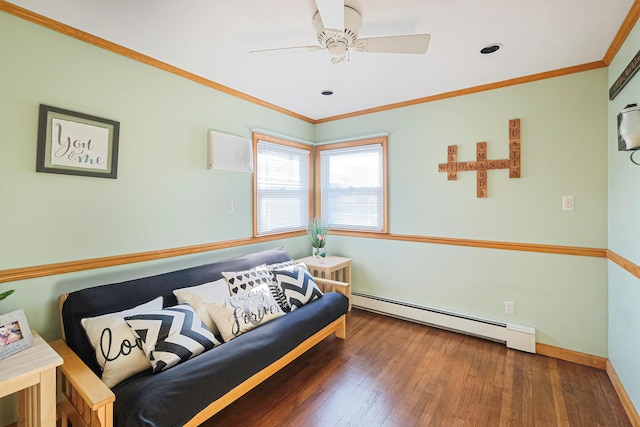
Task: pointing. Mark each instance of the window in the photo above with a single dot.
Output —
(281, 196)
(352, 185)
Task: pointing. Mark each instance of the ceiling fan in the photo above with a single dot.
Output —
(337, 27)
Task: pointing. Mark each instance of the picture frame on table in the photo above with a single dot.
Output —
(15, 334)
(75, 143)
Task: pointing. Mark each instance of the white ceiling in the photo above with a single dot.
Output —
(212, 38)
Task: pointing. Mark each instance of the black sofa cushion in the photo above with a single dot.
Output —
(173, 397)
(115, 297)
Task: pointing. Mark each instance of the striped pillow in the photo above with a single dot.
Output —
(275, 289)
(297, 284)
(171, 335)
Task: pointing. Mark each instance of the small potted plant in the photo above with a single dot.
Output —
(6, 294)
(318, 235)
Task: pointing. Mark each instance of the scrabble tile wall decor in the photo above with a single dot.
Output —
(482, 164)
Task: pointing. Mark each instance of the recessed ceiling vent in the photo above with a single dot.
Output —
(490, 49)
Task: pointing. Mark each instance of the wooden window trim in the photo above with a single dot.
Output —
(256, 136)
(384, 142)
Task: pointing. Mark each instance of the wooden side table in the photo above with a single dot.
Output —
(32, 373)
(331, 267)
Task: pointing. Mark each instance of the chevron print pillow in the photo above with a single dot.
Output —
(171, 335)
(276, 290)
(241, 313)
(243, 281)
(297, 284)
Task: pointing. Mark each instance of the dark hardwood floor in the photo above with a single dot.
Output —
(390, 372)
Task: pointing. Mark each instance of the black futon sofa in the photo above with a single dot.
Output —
(193, 391)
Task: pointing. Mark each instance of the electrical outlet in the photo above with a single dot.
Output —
(567, 203)
(509, 308)
(229, 206)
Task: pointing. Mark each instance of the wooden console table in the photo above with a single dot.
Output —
(331, 267)
(32, 373)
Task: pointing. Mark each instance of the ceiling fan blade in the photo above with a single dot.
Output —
(414, 44)
(332, 13)
(287, 50)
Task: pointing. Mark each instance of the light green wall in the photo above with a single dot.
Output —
(563, 297)
(563, 129)
(164, 196)
(563, 152)
(624, 234)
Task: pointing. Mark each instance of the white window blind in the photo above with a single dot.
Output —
(352, 187)
(282, 188)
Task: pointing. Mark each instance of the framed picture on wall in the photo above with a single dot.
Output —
(15, 334)
(74, 143)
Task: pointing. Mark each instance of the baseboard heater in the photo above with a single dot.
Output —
(514, 336)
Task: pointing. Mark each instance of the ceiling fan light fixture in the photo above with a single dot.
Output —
(340, 41)
(337, 49)
(490, 48)
(348, 34)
